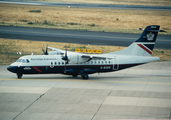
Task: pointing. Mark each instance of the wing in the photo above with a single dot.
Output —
(59, 51)
(95, 57)
(55, 49)
(75, 57)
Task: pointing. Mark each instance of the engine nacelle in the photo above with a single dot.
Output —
(54, 53)
(77, 58)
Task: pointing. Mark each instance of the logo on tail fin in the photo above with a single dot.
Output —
(150, 36)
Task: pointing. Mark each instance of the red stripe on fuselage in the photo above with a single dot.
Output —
(145, 48)
(37, 69)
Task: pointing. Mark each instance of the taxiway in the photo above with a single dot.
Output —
(81, 5)
(142, 92)
(79, 37)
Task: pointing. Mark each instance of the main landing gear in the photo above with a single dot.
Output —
(19, 76)
(74, 75)
(84, 76)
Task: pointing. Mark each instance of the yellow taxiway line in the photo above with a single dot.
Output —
(80, 80)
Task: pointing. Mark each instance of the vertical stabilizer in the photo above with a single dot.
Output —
(145, 44)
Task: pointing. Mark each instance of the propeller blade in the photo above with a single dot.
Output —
(46, 51)
(43, 50)
(65, 57)
(66, 52)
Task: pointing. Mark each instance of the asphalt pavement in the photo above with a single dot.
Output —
(81, 5)
(80, 37)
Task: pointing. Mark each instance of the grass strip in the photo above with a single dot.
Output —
(88, 19)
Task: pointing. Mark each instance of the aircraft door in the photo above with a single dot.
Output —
(51, 64)
(115, 63)
(77, 58)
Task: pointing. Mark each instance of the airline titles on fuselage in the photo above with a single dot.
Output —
(39, 59)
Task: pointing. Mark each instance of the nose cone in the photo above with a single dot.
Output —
(10, 68)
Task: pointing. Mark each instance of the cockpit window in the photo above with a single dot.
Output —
(27, 60)
(19, 60)
(23, 61)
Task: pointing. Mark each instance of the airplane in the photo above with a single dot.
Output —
(74, 63)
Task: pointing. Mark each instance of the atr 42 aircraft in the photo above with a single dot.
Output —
(73, 63)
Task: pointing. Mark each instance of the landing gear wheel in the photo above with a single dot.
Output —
(84, 76)
(74, 75)
(19, 76)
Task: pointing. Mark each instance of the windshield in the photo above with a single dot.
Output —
(23, 60)
(19, 60)
(27, 60)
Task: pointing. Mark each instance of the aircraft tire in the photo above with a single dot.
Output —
(84, 76)
(19, 76)
(74, 75)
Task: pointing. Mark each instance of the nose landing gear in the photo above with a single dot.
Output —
(19, 76)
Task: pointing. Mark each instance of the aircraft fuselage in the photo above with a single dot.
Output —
(53, 64)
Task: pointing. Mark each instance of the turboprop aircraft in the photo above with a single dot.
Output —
(73, 63)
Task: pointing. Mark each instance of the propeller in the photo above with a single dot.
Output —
(45, 52)
(65, 58)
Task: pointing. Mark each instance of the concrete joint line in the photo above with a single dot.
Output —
(28, 106)
(100, 106)
(170, 114)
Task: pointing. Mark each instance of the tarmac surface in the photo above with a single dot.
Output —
(81, 5)
(142, 92)
(79, 37)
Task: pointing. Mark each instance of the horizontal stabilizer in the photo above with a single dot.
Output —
(155, 30)
(152, 30)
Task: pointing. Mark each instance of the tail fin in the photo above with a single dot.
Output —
(145, 44)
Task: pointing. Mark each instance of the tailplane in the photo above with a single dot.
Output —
(145, 44)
